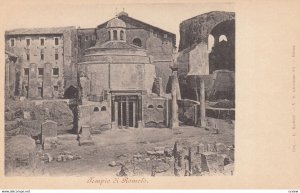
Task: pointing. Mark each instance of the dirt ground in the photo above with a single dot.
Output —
(122, 144)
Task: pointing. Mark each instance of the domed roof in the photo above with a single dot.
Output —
(116, 22)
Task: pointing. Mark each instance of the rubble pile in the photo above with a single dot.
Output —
(204, 159)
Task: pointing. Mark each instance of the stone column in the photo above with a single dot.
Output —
(174, 118)
(167, 112)
(32, 86)
(133, 114)
(115, 111)
(47, 84)
(121, 118)
(202, 104)
(127, 112)
(140, 115)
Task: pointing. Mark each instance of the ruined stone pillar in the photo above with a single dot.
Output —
(202, 104)
(174, 107)
(47, 84)
(33, 85)
(167, 112)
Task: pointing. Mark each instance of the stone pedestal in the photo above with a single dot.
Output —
(85, 137)
(49, 134)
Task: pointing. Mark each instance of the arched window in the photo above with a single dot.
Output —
(222, 38)
(137, 42)
(96, 109)
(160, 107)
(121, 35)
(150, 107)
(103, 108)
(109, 36)
(115, 34)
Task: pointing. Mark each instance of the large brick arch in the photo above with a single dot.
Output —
(197, 29)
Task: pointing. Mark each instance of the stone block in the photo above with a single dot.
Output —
(211, 147)
(230, 153)
(49, 143)
(209, 162)
(49, 129)
(200, 148)
(27, 115)
(159, 148)
(221, 148)
(86, 141)
(85, 131)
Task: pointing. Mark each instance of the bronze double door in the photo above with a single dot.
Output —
(127, 111)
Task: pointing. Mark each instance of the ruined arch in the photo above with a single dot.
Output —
(137, 42)
(204, 25)
(71, 93)
(222, 55)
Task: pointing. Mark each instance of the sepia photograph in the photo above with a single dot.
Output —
(116, 94)
(125, 97)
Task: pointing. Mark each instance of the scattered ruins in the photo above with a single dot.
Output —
(75, 88)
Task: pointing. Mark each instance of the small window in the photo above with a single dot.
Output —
(160, 107)
(12, 42)
(103, 108)
(26, 88)
(40, 92)
(121, 35)
(93, 37)
(26, 71)
(137, 42)
(56, 41)
(86, 38)
(42, 54)
(41, 71)
(42, 41)
(28, 57)
(55, 87)
(109, 37)
(222, 38)
(96, 109)
(55, 71)
(27, 42)
(165, 35)
(115, 34)
(150, 107)
(56, 54)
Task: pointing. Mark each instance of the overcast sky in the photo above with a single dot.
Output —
(89, 15)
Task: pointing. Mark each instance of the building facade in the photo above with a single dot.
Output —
(45, 68)
(117, 71)
(159, 44)
(116, 82)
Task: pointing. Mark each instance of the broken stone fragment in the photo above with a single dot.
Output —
(159, 148)
(220, 148)
(50, 158)
(200, 148)
(209, 162)
(211, 147)
(162, 167)
(112, 164)
(168, 152)
(137, 156)
(156, 153)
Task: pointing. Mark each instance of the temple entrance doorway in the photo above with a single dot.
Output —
(126, 111)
